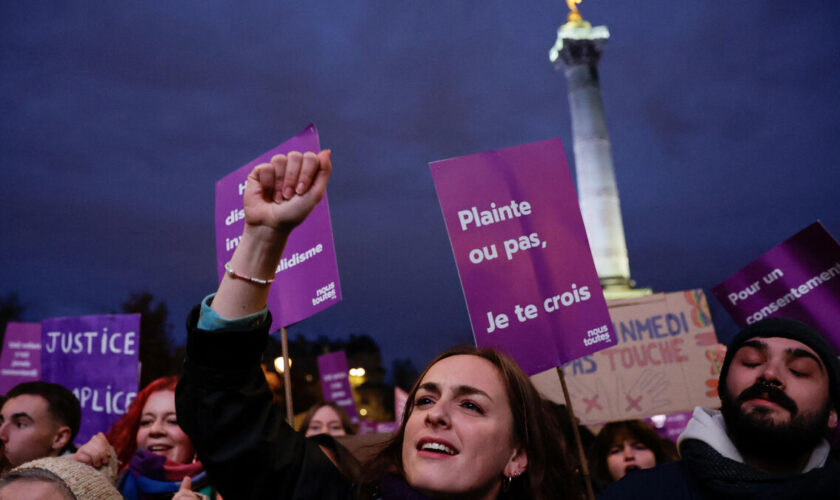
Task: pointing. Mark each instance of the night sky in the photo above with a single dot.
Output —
(118, 119)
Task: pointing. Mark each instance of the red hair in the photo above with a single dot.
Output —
(123, 434)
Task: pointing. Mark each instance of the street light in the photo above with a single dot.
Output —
(279, 365)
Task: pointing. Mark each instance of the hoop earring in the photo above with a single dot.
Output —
(506, 483)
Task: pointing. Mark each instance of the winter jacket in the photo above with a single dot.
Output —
(712, 468)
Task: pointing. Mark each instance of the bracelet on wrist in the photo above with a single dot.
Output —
(251, 279)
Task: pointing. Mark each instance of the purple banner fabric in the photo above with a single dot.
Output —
(522, 254)
(335, 383)
(670, 426)
(21, 359)
(308, 272)
(800, 278)
(96, 358)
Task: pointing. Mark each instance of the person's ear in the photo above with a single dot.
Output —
(61, 438)
(517, 463)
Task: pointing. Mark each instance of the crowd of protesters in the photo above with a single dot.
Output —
(474, 427)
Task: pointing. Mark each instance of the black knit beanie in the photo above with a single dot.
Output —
(790, 329)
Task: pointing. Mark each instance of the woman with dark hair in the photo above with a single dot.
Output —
(471, 428)
(327, 417)
(503, 448)
(623, 447)
(156, 454)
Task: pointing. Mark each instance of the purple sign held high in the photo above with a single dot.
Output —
(522, 254)
(335, 383)
(308, 270)
(96, 358)
(799, 278)
(21, 359)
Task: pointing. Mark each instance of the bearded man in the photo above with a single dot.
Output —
(780, 391)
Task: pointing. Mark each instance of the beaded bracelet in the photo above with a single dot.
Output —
(234, 274)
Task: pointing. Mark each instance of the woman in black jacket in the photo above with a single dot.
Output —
(471, 428)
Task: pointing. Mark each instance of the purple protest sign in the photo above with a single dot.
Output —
(522, 254)
(308, 269)
(96, 358)
(21, 359)
(335, 383)
(799, 278)
(670, 426)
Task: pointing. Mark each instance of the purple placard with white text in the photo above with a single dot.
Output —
(670, 426)
(308, 269)
(799, 278)
(335, 383)
(96, 358)
(522, 254)
(21, 359)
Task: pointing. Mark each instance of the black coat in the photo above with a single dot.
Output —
(703, 474)
(225, 406)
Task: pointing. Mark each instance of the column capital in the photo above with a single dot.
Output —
(578, 44)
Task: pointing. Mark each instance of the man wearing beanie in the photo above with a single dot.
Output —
(780, 392)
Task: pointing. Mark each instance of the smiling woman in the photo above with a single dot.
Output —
(472, 426)
(155, 453)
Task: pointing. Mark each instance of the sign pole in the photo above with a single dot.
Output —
(584, 466)
(287, 377)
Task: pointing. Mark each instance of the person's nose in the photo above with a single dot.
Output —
(770, 373)
(628, 453)
(157, 428)
(438, 415)
(4, 432)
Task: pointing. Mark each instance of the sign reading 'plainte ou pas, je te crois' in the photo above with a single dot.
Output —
(522, 254)
(308, 269)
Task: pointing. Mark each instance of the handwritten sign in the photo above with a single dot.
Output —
(335, 383)
(96, 358)
(308, 268)
(522, 254)
(664, 362)
(21, 358)
(799, 278)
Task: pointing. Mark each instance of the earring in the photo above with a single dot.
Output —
(506, 483)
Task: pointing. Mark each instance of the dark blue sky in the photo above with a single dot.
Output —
(118, 119)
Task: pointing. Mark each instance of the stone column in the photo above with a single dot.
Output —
(577, 51)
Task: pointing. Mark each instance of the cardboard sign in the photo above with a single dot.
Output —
(21, 358)
(522, 254)
(800, 279)
(664, 362)
(308, 268)
(96, 358)
(335, 384)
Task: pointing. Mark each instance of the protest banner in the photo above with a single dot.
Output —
(335, 382)
(799, 278)
(522, 254)
(21, 358)
(96, 358)
(665, 362)
(308, 269)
